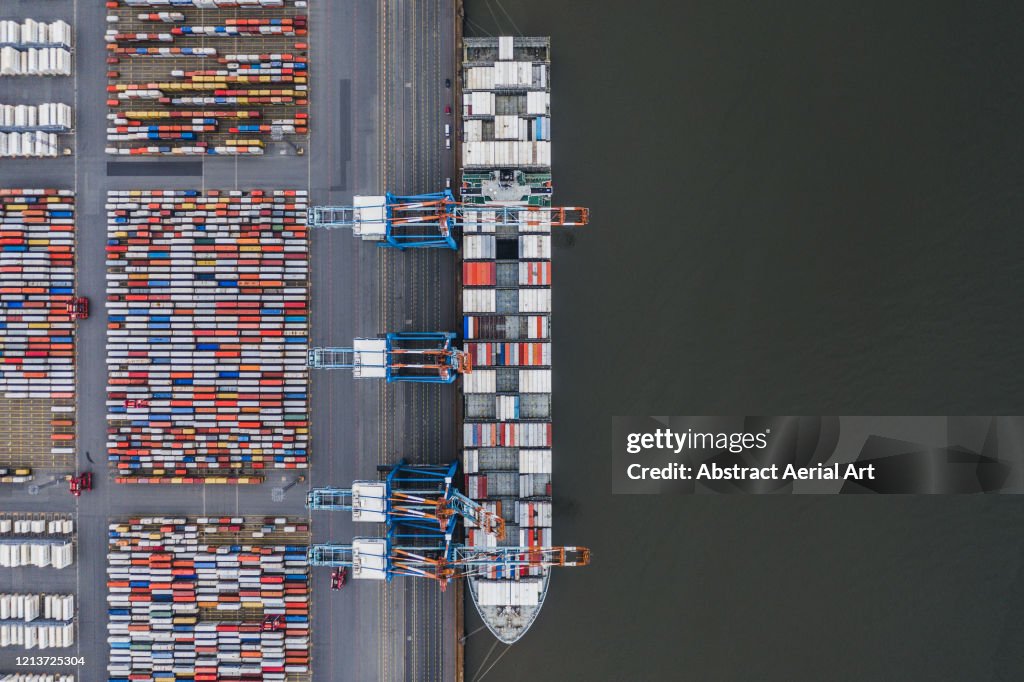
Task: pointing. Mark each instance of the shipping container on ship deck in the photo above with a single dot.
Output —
(506, 302)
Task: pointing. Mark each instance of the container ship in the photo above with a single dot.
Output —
(506, 305)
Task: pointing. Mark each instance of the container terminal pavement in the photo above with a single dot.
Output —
(187, 307)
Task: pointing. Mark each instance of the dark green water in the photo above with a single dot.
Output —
(797, 208)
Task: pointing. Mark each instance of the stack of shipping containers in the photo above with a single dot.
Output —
(506, 104)
(37, 352)
(197, 599)
(37, 261)
(207, 297)
(15, 475)
(211, 77)
(507, 398)
(506, 277)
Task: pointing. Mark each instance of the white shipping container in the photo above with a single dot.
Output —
(535, 380)
(535, 246)
(506, 128)
(505, 48)
(522, 592)
(470, 461)
(479, 247)
(478, 300)
(535, 300)
(538, 102)
(480, 381)
(534, 461)
(533, 514)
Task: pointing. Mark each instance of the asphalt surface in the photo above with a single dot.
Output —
(371, 63)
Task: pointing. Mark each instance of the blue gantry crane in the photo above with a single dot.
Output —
(420, 221)
(423, 357)
(414, 495)
(430, 221)
(419, 506)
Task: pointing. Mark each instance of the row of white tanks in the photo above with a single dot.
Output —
(36, 542)
(36, 526)
(31, 144)
(37, 621)
(40, 554)
(35, 677)
(28, 607)
(35, 61)
(31, 32)
(22, 544)
(37, 636)
(29, 116)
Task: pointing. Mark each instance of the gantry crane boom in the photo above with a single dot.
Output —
(423, 357)
(382, 559)
(431, 220)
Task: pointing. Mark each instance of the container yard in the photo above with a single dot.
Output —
(208, 599)
(210, 77)
(37, 349)
(207, 301)
(506, 305)
(202, 339)
(36, 540)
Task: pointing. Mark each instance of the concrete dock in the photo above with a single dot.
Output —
(377, 118)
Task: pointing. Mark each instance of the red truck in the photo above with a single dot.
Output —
(81, 482)
(78, 308)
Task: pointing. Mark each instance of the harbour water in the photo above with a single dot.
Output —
(802, 210)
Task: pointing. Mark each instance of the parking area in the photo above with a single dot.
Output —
(28, 434)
